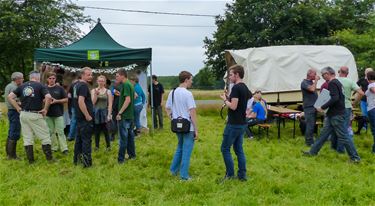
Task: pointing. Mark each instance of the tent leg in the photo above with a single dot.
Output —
(152, 102)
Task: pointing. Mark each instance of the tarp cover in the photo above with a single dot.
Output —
(282, 68)
(97, 46)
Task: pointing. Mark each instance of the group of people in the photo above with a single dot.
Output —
(338, 110)
(30, 102)
(37, 110)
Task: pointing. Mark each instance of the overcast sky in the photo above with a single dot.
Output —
(173, 48)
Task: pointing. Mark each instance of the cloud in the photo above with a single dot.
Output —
(174, 48)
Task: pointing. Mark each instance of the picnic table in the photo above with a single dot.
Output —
(282, 110)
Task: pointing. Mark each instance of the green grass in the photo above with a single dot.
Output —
(279, 174)
(201, 94)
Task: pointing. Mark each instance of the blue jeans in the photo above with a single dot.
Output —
(310, 117)
(363, 105)
(181, 159)
(334, 143)
(233, 135)
(73, 126)
(82, 144)
(137, 117)
(337, 125)
(14, 125)
(371, 116)
(126, 139)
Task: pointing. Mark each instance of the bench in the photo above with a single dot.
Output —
(265, 127)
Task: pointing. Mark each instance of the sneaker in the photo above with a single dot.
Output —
(186, 179)
(251, 137)
(355, 161)
(242, 179)
(65, 152)
(224, 179)
(307, 153)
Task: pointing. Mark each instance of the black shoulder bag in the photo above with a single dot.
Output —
(179, 125)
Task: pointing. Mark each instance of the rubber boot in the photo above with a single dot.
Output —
(30, 153)
(12, 149)
(7, 147)
(48, 152)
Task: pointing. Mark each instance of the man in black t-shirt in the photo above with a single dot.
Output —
(55, 119)
(157, 94)
(235, 128)
(335, 118)
(83, 106)
(32, 114)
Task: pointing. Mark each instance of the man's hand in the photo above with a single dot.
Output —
(19, 109)
(320, 109)
(53, 101)
(118, 117)
(88, 118)
(317, 77)
(109, 117)
(223, 96)
(43, 112)
(196, 135)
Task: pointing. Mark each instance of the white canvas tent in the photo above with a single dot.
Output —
(280, 69)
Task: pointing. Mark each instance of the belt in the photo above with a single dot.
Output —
(37, 112)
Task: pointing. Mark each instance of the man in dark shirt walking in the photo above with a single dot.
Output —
(157, 94)
(309, 96)
(235, 128)
(335, 118)
(84, 114)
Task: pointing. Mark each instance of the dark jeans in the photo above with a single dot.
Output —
(98, 129)
(14, 125)
(233, 135)
(82, 144)
(251, 122)
(73, 126)
(335, 124)
(310, 118)
(158, 115)
(126, 140)
(371, 116)
(334, 143)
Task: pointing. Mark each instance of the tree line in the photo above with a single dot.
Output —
(257, 23)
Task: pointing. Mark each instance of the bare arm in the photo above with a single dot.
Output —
(193, 116)
(124, 106)
(110, 103)
(83, 108)
(11, 98)
(169, 112)
(359, 95)
(232, 104)
(60, 101)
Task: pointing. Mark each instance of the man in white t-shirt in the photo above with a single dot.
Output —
(183, 105)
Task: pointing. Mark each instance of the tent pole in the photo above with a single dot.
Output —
(152, 101)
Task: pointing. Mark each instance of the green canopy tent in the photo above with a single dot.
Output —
(93, 49)
(96, 49)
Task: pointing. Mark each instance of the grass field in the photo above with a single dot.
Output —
(201, 94)
(278, 174)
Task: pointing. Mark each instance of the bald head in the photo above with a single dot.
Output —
(343, 71)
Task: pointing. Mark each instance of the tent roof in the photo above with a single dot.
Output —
(98, 43)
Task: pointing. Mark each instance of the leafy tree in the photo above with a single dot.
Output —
(256, 23)
(361, 43)
(32, 24)
(204, 79)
